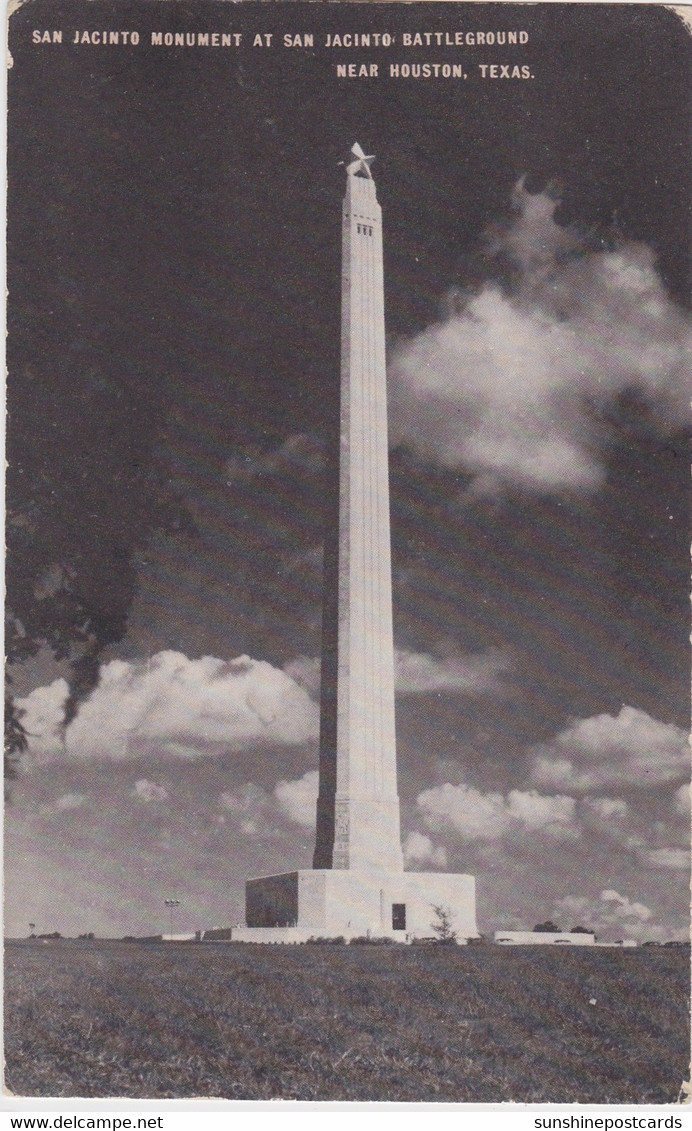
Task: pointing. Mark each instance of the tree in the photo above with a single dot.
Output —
(442, 925)
(580, 931)
(86, 491)
(548, 927)
(15, 741)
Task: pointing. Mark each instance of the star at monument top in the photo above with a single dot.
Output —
(362, 163)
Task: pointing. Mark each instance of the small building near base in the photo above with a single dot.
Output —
(544, 938)
(628, 943)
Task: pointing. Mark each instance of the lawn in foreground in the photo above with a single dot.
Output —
(465, 1024)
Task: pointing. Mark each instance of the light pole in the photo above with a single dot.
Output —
(170, 904)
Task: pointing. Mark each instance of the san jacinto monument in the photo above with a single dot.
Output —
(358, 884)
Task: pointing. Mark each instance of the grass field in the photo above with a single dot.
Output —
(481, 1024)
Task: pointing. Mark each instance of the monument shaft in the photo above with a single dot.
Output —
(358, 806)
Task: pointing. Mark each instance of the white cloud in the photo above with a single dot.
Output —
(297, 799)
(248, 798)
(489, 816)
(681, 799)
(415, 672)
(538, 812)
(257, 811)
(42, 715)
(608, 808)
(474, 815)
(419, 849)
(147, 791)
(505, 387)
(630, 828)
(185, 708)
(71, 801)
(470, 674)
(629, 749)
(299, 455)
(622, 908)
(668, 858)
(252, 807)
(610, 915)
(306, 671)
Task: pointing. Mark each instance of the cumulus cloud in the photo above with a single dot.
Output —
(300, 455)
(539, 812)
(257, 811)
(474, 815)
(418, 672)
(248, 798)
(66, 803)
(174, 705)
(612, 819)
(631, 829)
(42, 717)
(629, 749)
(668, 858)
(610, 914)
(489, 816)
(147, 791)
(470, 674)
(511, 387)
(306, 671)
(419, 849)
(298, 799)
(252, 807)
(623, 908)
(608, 808)
(70, 801)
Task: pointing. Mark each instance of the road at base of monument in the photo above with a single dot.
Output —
(335, 1022)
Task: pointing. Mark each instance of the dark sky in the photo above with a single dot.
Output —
(174, 220)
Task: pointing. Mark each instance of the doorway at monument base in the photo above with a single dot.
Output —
(352, 903)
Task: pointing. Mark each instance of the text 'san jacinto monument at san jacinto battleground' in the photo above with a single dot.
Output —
(358, 884)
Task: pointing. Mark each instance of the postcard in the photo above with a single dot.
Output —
(347, 577)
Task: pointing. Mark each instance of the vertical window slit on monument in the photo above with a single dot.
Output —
(345, 726)
(382, 510)
(377, 532)
(362, 665)
(373, 520)
(368, 571)
(367, 315)
(373, 526)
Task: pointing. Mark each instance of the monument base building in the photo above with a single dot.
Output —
(334, 902)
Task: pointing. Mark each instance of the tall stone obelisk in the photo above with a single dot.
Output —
(357, 885)
(358, 804)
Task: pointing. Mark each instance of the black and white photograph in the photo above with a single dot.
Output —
(347, 576)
